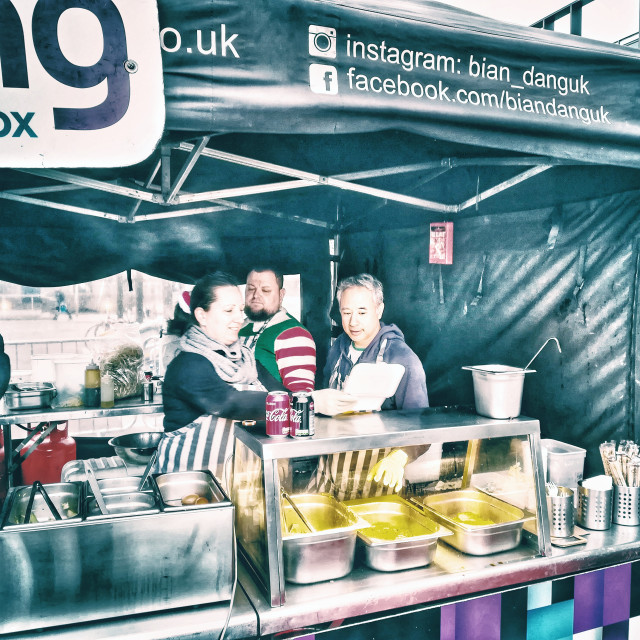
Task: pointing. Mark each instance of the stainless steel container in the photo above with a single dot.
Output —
(595, 508)
(23, 396)
(401, 537)
(498, 389)
(121, 484)
(92, 568)
(136, 502)
(626, 505)
(478, 540)
(65, 496)
(326, 553)
(175, 486)
(561, 513)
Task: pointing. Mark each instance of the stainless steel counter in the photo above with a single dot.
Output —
(451, 576)
(363, 593)
(390, 429)
(192, 623)
(127, 407)
(46, 419)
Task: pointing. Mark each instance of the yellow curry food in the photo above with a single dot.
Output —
(386, 531)
(471, 519)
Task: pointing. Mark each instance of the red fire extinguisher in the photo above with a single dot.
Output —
(45, 462)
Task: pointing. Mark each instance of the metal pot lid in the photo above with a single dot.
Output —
(30, 388)
(497, 369)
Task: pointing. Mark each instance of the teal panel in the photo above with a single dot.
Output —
(554, 622)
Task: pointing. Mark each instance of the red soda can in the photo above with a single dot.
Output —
(277, 410)
(302, 421)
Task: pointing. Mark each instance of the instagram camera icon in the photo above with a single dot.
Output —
(322, 41)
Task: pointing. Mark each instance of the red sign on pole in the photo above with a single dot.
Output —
(441, 243)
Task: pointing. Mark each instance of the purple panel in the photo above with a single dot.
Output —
(448, 622)
(588, 601)
(617, 594)
(478, 619)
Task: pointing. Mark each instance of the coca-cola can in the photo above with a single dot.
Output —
(302, 420)
(277, 409)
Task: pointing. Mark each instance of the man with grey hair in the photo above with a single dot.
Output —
(366, 339)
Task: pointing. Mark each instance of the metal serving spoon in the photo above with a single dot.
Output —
(540, 349)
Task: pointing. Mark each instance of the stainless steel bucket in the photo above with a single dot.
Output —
(498, 389)
(595, 507)
(561, 513)
(626, 505)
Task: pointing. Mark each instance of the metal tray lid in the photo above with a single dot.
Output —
(29, 389)
(497, 369)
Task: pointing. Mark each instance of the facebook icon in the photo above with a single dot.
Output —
(323, 78)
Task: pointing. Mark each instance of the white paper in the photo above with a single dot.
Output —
(372, 383)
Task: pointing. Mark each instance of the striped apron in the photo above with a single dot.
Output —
(205, 443)
(344, 475)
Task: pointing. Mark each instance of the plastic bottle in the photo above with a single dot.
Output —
(106, 391)
(92, 385)
(45, 462)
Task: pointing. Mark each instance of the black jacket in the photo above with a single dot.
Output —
(192, 388)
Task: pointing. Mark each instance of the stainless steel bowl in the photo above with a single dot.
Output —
(136, 448)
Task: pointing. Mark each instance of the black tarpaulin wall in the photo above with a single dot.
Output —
(415, 65)
(554, 255)
(580, 288)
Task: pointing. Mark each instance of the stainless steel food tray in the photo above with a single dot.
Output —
(116, 485)
(123, 504)
(175, 486)
(328, 552)
(477, 540)
(26, 396)
(418, 546)
(65, 496)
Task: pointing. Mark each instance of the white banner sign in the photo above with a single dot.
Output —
(81, 82)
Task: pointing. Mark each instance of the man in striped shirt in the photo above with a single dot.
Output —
(280, 343)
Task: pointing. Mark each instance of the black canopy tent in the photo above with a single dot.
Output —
(525, 139)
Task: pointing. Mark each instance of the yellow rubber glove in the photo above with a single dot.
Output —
(390, 470)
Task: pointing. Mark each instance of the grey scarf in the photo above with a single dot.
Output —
(235, 364)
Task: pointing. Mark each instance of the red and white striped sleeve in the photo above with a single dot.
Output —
(295, 353)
